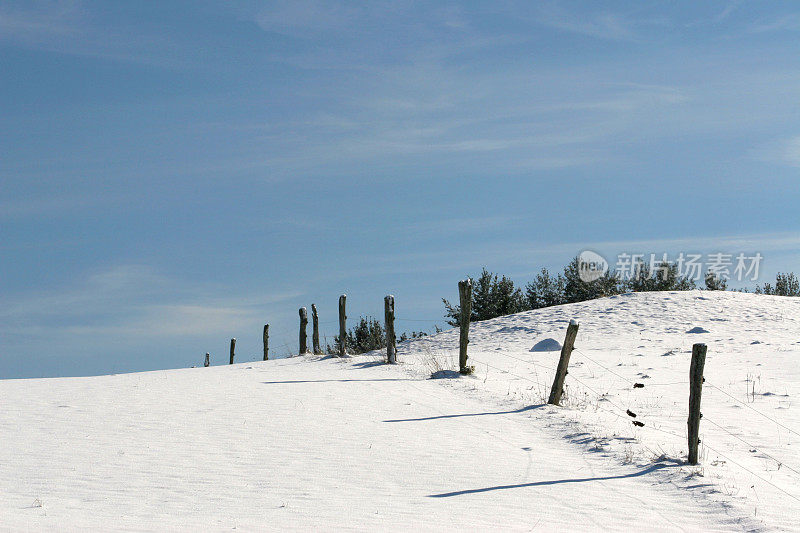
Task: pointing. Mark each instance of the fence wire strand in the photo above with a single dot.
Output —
(605, 367)
(732, 397)
(751, 472)
(750, 445)
(619, 410)
(605, 397)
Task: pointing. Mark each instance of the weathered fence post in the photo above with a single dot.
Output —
(563, 363)
(207, 361)
(391, 347)
(233, 347)
(342, 325)
(695, 391)
(315, 330)
(303, 324)
(465, 300)
(266, 342)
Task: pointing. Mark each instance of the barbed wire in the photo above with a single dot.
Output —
(751, 472)
(753, 409)
(601, 396)
(605, 367)
(617, 414)
(505, 371)
(670, 433)
(661, 430)
(750, 445)
(533, 363)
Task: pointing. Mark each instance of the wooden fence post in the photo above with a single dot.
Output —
(315, 330)
(695, 391)
(465, 300)
(342, 325)
(303, 324)
(233, 347)
(207, 361)
(266, 342)
(563, 363)
(391, 346)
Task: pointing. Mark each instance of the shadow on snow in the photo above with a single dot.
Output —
(521, 410)
(329, 381)
(643, 472)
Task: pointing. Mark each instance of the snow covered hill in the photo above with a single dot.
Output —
(312, 442)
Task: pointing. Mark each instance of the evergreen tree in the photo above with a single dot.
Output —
(545, 290)
(714, 282)
(785, 285)
(367, 335)
(578, 290)
(665, 278)
(492, 296)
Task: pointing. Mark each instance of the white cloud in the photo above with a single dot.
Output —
(517, 255)
(609, 26)
(784, 152)
(134, 300)
(791, 151)
(302, 16)
(790, 22)
(38, 22)
(69, 27)
(48, 206)
(730, 8)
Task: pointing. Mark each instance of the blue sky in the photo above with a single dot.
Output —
(174, 174)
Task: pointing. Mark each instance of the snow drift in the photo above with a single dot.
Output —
(312, 442)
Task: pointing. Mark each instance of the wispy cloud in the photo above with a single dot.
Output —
(611, 26)
(788, 22)
(135, 301)
(301, 16)
(48, 206)
(310, 19)
(35, 23)
(69, 27)
(728, 10)
(791, 151)
(779, 152)
(518, 255)
(459, 225)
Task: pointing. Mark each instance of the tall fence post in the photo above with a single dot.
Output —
(208, 360)
(695, 391)
(233, 348)
(315, 330)
(303, 324)
(465, 300)
(563, 363)
(266, 342)
(342, 325)
(391, 346)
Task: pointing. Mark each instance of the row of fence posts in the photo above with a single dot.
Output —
(391, 339)
(695, 370)
(465, 299)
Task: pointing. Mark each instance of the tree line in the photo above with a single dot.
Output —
(494, 295)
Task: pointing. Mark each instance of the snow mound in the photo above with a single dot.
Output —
(546, 345)
(445, 374)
